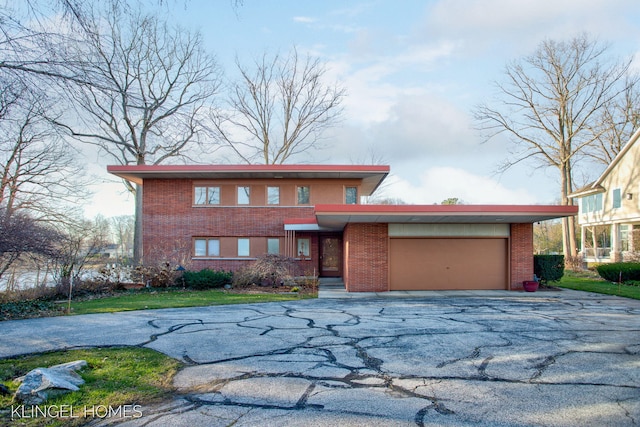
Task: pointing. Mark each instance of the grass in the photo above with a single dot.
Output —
(591, 282)
(115, 377)
(174, 298)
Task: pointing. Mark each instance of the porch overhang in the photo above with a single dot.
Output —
(337, 216)
(303, 224)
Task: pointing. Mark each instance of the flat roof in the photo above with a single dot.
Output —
(337, 216)
(371, 175)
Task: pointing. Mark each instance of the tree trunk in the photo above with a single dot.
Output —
(568, 223)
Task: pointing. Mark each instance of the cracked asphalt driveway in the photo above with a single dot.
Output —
(557, 359)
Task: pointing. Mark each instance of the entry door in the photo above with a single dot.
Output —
(331, 256)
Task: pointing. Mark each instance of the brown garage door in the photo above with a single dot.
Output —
(440, 264)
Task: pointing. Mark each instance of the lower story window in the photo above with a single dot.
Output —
(304, 247)
(244, 248)
(273, 246)
(207, 247)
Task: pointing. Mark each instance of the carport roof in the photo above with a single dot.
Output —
(337, 216)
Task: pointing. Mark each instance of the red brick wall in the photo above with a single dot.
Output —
(366, 264)
(170, 222)
(521, 254)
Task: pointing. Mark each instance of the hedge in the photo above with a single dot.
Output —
(619, 271)
(206, 279)
(548, 268)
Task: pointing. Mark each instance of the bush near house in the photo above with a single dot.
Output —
(549, 268)
(206, 279)
(619, 271)
(267, 270)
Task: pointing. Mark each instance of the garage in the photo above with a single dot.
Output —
(436, 247)
(448, 263)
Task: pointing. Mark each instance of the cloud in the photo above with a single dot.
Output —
(482, 24)
(439, 183)
(304, 19)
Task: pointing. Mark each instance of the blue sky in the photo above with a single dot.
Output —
(413, 71)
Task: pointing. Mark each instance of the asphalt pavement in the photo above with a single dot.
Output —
(562, 358)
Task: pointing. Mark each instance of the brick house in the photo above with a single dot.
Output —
(223, 216)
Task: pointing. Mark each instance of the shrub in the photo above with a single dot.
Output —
(619, 271)
(549, 268)
(206, 279)
(267, 270)
(155, 276)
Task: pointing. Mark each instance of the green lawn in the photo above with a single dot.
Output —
(115, 377)
(591, 282)
(173, 298)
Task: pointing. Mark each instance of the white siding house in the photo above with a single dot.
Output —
(610, 209)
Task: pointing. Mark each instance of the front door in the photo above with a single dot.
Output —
(331, 256)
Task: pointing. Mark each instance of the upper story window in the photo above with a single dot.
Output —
(273, 195)
(592, 203)
(617, 198)
(207, 195)
(304, 195)
(244, 195)
(351, 195)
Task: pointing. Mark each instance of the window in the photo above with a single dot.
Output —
(303, 195)
(304, 248)
(207, 195)
(592, 203)
(273, 246)
(617, 198)
(273, 195)
(624, 237)
(244, 195)
(243, 247)
(207, 247)
(351, 195)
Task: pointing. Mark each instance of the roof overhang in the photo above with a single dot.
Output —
(371, 175)
(337, 216)
(587, 191)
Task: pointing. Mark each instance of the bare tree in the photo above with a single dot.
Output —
(278, 109)
(38, 172)
(150, 86)
(122, 229)
(618, 122)
(549, 108)
(20, 234)
(80, 241)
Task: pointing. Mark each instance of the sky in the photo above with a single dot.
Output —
(413, 72)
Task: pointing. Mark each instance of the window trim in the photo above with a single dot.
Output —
(207, 188)
(346, 195)
(248, 251)
(206, 241)
(248, 194)
(273, 239)
(269, 187)
(302, 254)
(308, 198)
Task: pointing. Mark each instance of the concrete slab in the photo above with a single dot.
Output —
(447, 359)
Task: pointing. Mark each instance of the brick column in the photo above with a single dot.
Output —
(366, 266)
(521, 255)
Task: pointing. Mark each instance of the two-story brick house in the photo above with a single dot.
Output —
(224, 216)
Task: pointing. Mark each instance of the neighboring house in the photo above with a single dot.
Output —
(610, 208)
(224, 216)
